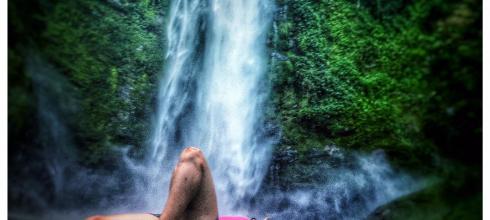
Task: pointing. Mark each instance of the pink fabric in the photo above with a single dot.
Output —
(232, 218)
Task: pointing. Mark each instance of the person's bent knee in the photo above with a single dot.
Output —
(192, 154)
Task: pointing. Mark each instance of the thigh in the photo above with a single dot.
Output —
(205, 205)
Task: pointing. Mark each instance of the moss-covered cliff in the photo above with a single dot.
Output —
(401, 76)
(110, 51)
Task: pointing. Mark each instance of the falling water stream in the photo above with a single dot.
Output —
(212, 95)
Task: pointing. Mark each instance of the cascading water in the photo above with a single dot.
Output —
(211, 96)
(231, 99)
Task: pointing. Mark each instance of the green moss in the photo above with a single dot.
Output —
(362, 74)
(112, 54)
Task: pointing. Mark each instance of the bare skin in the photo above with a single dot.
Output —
(191, 194)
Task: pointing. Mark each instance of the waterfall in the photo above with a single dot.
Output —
(212, 95)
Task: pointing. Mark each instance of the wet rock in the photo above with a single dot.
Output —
(279, 56)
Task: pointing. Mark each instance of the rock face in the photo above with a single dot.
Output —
(439, 201)
(330, 183)
(335, 77)
(290, 168)
(336, 80)
(110, 51)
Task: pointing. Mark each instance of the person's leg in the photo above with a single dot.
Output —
(191, 193)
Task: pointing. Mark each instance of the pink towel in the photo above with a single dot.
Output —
(233, 218)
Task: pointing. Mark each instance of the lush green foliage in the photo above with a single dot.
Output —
(401, 76)
(368, 76)
(111, 53)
